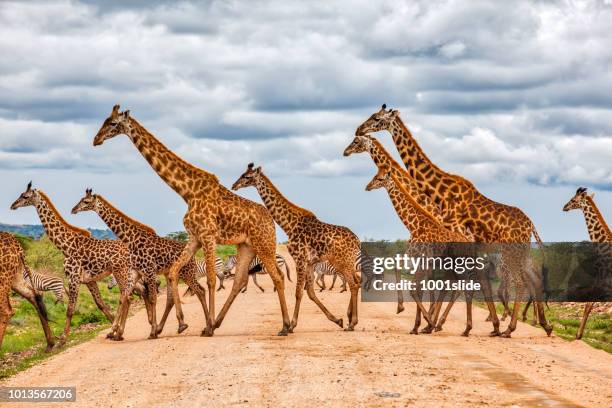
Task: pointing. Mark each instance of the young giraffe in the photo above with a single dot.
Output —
(598, 232)
(86, 260)
(310, 241)
(150, 255)
(427, 235)
(12, 264)
(461, 203)
(214, 215)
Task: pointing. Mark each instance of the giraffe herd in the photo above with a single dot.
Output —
(436, 207)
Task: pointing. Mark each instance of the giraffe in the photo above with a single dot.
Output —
(150, 255)
(461, 203)
(427, 234)
(382, 159)
(214, 215)
(310, 241)
(86, 260)
(598, 232)
(12, 264)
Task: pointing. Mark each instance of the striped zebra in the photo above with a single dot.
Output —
(45, 282)
(139, 287)
(255, 268)
(201, 272)
(321, 269)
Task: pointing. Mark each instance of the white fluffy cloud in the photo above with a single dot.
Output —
(501, 92)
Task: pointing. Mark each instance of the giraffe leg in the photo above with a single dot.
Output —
(169, 306)
(6, 312)
(209, 246)
(151, 296)
(468, 313)
(190, 249)
(449, 306)
(246, 284)
(73, 293)
(313, 296)
(97, 297)
(526, 309)
(488, 296)
(200, 292)
(300, 270)
(269, 262)
(354, 287)
(36, 301)
(255, 282)
(400, 293)
(585, 317)
(245, 255)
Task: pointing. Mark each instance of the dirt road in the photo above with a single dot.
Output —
(380, 364)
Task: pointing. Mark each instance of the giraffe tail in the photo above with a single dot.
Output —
(537, 237)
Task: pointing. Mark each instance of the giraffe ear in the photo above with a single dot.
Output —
(115, 111)
(29, 186)
(258, 169)
(126, 114)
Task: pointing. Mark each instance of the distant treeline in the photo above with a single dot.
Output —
(37, 231)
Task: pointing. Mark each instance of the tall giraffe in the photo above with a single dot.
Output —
(427, 235)
(214, 215)
(150, 255)
(12, 264)
(310, 241)
(461, 203)
(598, 232)
(86, 260)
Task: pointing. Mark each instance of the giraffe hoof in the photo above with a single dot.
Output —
(117, 338)
(506, 334)
(427, 330)
(110, 335)
(548, 330)
(153, 336)
(340, 323)
(494, 333)
(349, 328)
(283, 332)
(207, 332)
(414, 331)
(182, 327)
(400, 309)
(438, 328)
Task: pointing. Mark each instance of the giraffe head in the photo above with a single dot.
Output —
(380, 120)
(360, 144)
(579, 201)
(249, 177)
(118, 123)
(27, 198)
(87, 203)
(381, 179)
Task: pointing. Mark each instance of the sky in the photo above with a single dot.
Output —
(515, 96)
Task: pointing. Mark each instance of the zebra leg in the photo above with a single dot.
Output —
(255, 282)
(333, 281)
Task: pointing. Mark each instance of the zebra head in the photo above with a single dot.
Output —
(87, 203)
(249, 177)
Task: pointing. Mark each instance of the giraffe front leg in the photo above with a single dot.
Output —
(313, 296)
(188, 252)
(209, 245)
(95, 293)
(73, 294)
(151, 296)
(169, 306)
(585, 317)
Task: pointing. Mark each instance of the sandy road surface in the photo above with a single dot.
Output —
(380, 364)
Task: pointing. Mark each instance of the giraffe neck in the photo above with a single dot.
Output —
(596, 224)
(420, 168)
(62, 234)
(381, 158)
(124, 227)
(181, 176)
(285, 213)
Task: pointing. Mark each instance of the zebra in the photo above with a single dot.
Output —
(325, 268)
(139, 287)
(45, 282)
(254, 268)
(365, 267)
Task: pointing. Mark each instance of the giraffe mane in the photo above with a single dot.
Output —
(176, 157)
(599, 215)
(296, 208)
(409, 197)
(71, 227)
(126, 217)
(431, 163)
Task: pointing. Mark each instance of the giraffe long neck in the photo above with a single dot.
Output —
(381, 158)
(285, 213)
(596, 224)
(405, 209)
(62, 234)
(181, 176)
(124, 227)
(425, 173)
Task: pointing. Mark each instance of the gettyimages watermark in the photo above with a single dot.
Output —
(554, 271)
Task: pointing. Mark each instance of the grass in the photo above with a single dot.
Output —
(565, 319)
(24, 341)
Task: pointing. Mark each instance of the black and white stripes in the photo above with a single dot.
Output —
(45, 282)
